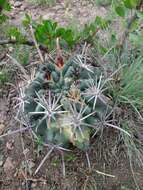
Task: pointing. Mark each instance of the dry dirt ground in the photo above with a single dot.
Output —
(19, 156)
(64, 11)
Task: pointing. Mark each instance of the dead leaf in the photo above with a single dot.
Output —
(10, 145)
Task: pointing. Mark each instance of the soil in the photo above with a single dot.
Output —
(19, 156)
(73, 12)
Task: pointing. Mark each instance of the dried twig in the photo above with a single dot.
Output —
(32, 179)
(16, 131)
(105, 174)
(63, 164)
(36, 44)
(88, 161)
(44, 159)
(25, 156)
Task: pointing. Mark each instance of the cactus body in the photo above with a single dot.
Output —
(67, 114)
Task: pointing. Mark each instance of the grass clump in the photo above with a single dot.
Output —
(126, 86)
(131, 91)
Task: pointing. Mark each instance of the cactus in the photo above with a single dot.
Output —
(64, 103)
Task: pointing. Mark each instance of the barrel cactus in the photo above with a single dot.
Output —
(64, 102)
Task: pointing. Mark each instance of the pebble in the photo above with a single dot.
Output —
(17, 4)
(33, 185)
(23, 8)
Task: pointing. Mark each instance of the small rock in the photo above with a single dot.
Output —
(17, 4)
(33, 185)
(22, 8)
(85, 14)
(10, 145)
(12, 15)
(23, 183)
(31, 164)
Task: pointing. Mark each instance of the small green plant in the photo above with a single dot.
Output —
(46, 32)
(70, 157)
(4, 6)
